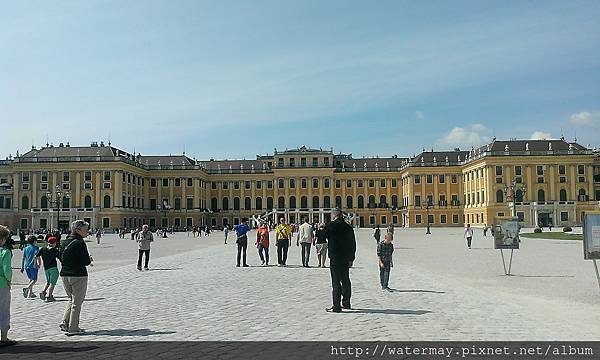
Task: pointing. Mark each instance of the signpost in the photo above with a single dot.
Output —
(506, 236)
(591, 239)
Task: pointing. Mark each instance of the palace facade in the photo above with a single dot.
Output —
(555, 181)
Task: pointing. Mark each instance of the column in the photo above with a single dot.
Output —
(99, 186)
(34, 192)
(573, 180)
(16, 188)
(117, 180)
(551, 170)
(530, 195)
(589, 177)
(171, 192)
(78, 200)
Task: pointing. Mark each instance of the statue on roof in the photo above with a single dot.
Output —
(526, 146)
(549, 146)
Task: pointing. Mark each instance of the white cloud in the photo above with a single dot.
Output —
(586, 118)
(540, 135)
(474, 135)
(419, 115)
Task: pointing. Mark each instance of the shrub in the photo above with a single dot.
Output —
(537, 230)
(567, 229)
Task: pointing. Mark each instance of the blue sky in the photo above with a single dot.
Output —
(232, 79)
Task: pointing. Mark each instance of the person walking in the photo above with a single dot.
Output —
(226, 231)
(5, 282)
(98, 236)
(144, 241)
(377, 234)
(30, 264)
(241, 230)
(342, 251)
(262, 243)
(305, 237)
(390, 229)
(385, 249)
(50, 255)
(283, 233)
(469, 235)
(74, 259)
(321, 244)
(485, 229)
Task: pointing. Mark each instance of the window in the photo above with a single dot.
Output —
(371, 183)
(418, 219)
(87, 202)
(519, 196)
(106, 185)
(236, 203)
(417, 200)
(303, 202)
(259, 184)
(582, 179)
(315, 202)
(326, 202)
(165, 182)
(541, 195)
(521, 216)
(417, 179)
(540, 170)
(564, 216)
(247, 204)
(66, 203)
(442, 179)
(454, 179)
(247, 184)
(498, 170)
(498, 180)
(518, 170)
(338, 183)
(326, 161)
(292, 162)
(213, 185)
(327, 183)
(499, 196)
(45, 176)
(562, 170)
(540, 180)
(361, 202)
(443, 219)
(563, 179)
(236, 185)
(292, 184)
(372, 220)
(177, 182)
(225, 203)
(281, 203)
(280, 183)
(189, 203)
(25, 177)
(455, 218)
(518, 179)
(25, 202)
(360, 183)
(259, 203)
(394, 183)
(225, 185)
(270, 184)
(315, 162)
(563, 195)
(349, 203)
(190, 182)
(66, 186)
(107, 175)
(177, 204)
(580, 169)
(303, 162)
(280, 162)
(44, 186)
(430, 179)
(382, 183)
(152, 182)
(394, 200)
(269, 203)
(383, 220)
(66, 176)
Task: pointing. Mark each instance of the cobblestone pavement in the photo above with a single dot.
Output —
(443, 291)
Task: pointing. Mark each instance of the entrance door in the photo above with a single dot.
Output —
(543, 219)
(63, 224)
(362, 221)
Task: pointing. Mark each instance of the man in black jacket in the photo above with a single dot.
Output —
(342, 249)
(74, 259)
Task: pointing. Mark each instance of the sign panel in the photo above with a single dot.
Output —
(591, 236)
(506, 233)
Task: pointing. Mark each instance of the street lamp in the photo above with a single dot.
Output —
(510, 192)
(56, 198)
(165, 208)
(427, 205)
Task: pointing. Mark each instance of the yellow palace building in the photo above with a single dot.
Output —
(540, 181)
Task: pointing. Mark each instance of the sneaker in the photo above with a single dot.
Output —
(333, 309)
(25, 293)
(388, 289)
(43, 295)
(50, 299)
(263, 262)
(238, 265)
(146, 268)
(63, 327)
(139, 268)
(347, 307)
(76, 332)
(246, 265)
(32, 296)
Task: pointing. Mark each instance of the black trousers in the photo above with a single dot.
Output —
(282, 251)
(340, 282)
(305, 253)
(140, 253)
(469, 241)
(242, 245)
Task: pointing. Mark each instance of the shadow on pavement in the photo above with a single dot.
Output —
(388, 311)
(544, 276)
(164, 269)
(29, 348)
(65, 298)
(127, 332)
(418, 291)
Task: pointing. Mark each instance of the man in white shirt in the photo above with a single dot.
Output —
(305, 237)
(469, 235)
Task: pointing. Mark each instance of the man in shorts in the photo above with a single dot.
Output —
(30, 264)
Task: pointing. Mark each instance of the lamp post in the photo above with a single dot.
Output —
(56, 199)
(428, 204)
(510, 191)
(165, 208)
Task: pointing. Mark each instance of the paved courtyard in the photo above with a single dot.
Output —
(443, 291)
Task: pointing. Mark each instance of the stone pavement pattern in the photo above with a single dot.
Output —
(443, 292)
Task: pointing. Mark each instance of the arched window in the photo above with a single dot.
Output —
(87, 202)
(106, 201)
(582, 192)
(499, 196)
(382, 201)
(361, 202)
(236, 203)
(213, 204)
(247, 204)
(541, 195)
(582, 196)
(259, 203)
(519, 195)
(292, 184)
(315, 202)
(281, 203)
(269, 203)
(326, 202)
(44, 202)
(25, 202)
(349, 203)
(338, 202)
(292, 202)
(66, 203)
(563, 195)
(304, 202)
(372, 201)
(225, 204)
(395, 200)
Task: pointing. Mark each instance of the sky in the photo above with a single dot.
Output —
(233, 79)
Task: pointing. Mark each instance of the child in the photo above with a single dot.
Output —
(30, 264)
(385, 249)
(5, 279)
(49, 255)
